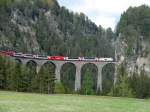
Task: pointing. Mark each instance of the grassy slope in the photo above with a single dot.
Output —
(21, 102)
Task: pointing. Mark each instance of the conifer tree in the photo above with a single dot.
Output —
(87, 87)
(122, 87)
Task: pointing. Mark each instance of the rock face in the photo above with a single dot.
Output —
(143, 64)
(134, 63)
(21, 34)
(134, 38)
(21, 22)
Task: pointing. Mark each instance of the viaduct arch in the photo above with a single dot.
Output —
(94, 70)
(78, 65)
(68, 72)
(108, 77)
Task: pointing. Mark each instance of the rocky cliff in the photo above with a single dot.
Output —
(133, 32)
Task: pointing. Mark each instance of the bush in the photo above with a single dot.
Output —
(137, 85)
(140, 85)
(87, 87)
(122, 88)
(59, 88)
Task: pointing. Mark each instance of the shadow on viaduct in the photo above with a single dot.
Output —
(78, 64)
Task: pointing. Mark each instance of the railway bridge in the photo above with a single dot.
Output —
(78, 64)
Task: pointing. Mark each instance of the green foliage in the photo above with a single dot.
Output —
(53, 30)
(68, 77)
(107, 78)
(59, 88)
(15, 77)
(134, 27)
(137, 85)
(42, 26)
(140, 83)
(6, 2)
(138, 18)
(122, 88)
(93, 72)
(87, 86)
(44, 80)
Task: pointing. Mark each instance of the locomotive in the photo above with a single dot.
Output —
(61, 58)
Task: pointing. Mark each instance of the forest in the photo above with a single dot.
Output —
(43, 27)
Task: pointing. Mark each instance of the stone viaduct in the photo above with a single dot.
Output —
(78, 64)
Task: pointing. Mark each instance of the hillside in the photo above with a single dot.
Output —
(37, 26)
(133, 32)
(43, 27)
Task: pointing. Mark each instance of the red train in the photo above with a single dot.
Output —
(7, 53)
(59, 58)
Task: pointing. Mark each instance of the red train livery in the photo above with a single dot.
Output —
(5, 53)
(61, 58)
